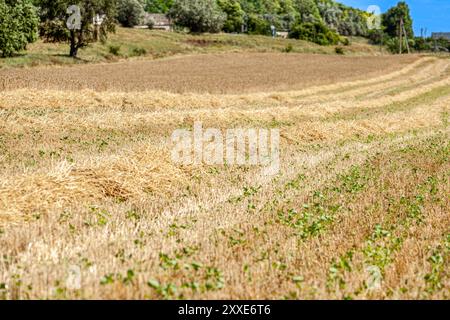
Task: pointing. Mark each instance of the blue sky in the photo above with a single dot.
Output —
(431, 14)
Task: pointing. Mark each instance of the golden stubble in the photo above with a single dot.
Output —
(87, 180)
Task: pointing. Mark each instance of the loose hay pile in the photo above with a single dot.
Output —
(146, 171)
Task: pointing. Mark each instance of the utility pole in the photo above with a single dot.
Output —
(406, 38)
(402, 31)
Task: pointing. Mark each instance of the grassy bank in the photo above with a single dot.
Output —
(139, 43)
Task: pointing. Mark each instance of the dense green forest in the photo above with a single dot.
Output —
(321, 21)
(283, 14)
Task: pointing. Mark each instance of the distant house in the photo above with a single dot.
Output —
(282, 34)
(162, 22)
(441, 35)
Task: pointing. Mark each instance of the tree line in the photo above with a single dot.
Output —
(325, 22)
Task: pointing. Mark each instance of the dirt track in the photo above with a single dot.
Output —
(220, 73)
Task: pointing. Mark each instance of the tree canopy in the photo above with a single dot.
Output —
(56, 11)
(198, 15)
(158, 6)
(280, 13)
(392, 18)
(130, 12)
(18, 25)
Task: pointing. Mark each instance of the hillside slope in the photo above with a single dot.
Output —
(152, 44)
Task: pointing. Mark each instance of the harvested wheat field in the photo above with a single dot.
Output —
(358, 210)
(213, 73)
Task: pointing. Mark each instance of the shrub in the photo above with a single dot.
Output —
(258, 25)
(315, 32)
(393, 45)
(18, 26)
(339, 50)
(289, 48)
(421, 44)
(442, 43)
(114, 50)
(198, 15)
(138, 52)
(130, 12)
(151, 24)
(376, 36)
(345, 41)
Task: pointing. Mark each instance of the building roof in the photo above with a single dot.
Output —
(441, 35)
(161, 20)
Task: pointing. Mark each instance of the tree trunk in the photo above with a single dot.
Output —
(96, 32)
(73, 44)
